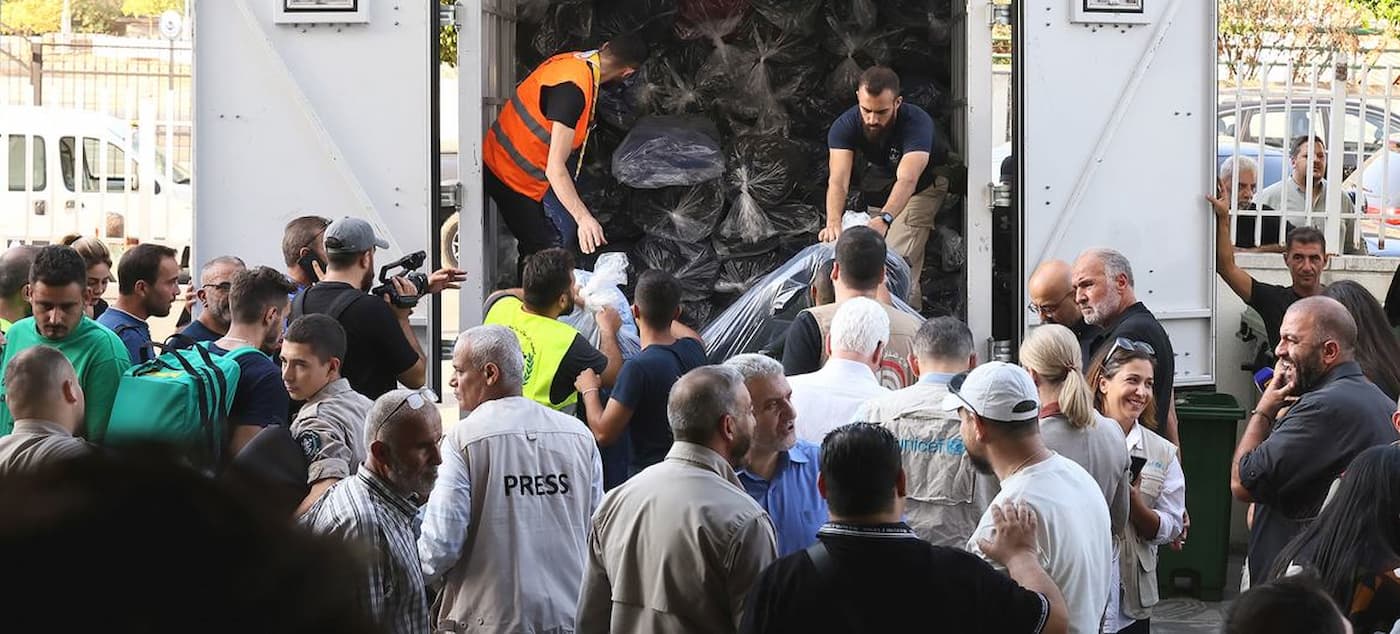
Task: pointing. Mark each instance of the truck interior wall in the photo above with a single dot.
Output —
(769, 77)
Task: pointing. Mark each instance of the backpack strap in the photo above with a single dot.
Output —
(826, 572)
(147, 351)
(337, 307)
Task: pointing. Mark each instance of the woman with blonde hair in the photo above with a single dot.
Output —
(1123, 386)
(99, 271)
(1068, 423)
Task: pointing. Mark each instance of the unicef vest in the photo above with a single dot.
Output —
(1137, 558)
(543, 341)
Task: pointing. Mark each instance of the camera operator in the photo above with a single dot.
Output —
(382, 350)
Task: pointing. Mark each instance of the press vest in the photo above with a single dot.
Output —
(544, 342)
(895, 372)
(1137, 558)
(532, 473)
(516, 148)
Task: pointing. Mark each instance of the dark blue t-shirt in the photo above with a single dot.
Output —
(644, 385)
(261, 398)
(912, 131)
(193, 333)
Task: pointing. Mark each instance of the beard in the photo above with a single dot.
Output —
(738, 454)
(980, 463)
(222, 312)
(1307, 371)
(419, 484)
(368, 281)
(1099, 312)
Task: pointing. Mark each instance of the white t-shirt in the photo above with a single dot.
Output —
(1073, 533)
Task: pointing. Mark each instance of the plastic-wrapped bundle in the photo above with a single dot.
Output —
(737, 275)
(718, 74)
(694, 264)
(746, 229)
(791, 16)
(602, 288)
(673, 92)
(566, 27)
(763, 313)
(616, 107)
(685, 214)
(693, 16)
(855, 49)
(811, 185)
(650, 19)
(860, 14)
(761, 175)
(668, 152)
(696, 314)
(927, 94)
(776, 67)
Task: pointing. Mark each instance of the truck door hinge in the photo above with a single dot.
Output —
(450, 195)
(998, 195)
(998, 14)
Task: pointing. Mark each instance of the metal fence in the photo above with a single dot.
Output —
(131, 102)
(1348, 185)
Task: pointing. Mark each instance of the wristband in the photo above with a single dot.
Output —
(591, 389)
(1260, 412)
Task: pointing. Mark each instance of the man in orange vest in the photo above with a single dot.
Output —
(527, 149)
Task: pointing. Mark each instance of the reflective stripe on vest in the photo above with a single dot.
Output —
(543, 342)
(516, 148)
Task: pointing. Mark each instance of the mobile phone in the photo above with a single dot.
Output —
(306, 265)
(1138, 463)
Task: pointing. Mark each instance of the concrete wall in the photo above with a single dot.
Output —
(1372, 272)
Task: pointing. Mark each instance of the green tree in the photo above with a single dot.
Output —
(148, 8)
(1388, 10)
(30, 17)
(447, 39)
(96, 16)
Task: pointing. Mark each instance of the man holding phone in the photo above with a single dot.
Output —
(304, 250)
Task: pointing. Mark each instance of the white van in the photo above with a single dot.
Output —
(114, 195)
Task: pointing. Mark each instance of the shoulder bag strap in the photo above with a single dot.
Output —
(827, 574)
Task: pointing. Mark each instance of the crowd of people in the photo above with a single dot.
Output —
(873, 476)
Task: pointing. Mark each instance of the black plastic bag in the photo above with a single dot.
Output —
(855, 50)
(859, 14)
(694, 18)
(799, 17)
(697, 314)
(737, 275)
(668, 152)
(695, 265)
(653, 20)
(684, 214)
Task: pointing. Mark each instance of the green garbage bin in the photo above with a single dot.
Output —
(1206, 424)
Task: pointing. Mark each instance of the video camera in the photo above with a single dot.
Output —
(408, 266)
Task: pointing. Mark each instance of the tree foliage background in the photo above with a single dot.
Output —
(36, 17)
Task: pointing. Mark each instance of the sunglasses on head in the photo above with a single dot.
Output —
(1124, 343)
(415, 401)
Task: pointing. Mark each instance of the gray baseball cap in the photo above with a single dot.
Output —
(996, 391)
(352, 235)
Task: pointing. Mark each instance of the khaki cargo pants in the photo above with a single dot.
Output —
(909, 234)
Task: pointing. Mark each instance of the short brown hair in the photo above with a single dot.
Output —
(877, 79)
(254, 290)
(301, 232)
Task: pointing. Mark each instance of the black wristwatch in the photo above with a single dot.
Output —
(889, 220)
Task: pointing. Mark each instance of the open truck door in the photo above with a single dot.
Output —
(1115, 118)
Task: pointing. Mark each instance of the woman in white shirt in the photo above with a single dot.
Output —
(1157, 503)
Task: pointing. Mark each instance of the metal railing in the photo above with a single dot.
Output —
(1346, 104)
(131, 103)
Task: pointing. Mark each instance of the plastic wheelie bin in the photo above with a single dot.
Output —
(1206, 425)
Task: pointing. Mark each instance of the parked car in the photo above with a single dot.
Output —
(1278, 120)
(1273, 162)
(74, 187)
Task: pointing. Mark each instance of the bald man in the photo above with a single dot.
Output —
(42, 391)
(1286, 467)
(1051, 291)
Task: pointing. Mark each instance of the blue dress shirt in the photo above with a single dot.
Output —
(791, 497)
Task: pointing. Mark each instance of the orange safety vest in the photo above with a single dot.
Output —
(517, 145)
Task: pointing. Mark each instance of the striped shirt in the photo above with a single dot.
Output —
(379, 523)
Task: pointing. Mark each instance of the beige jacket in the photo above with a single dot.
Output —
(330, 428)
(34, 443)
(675, 549)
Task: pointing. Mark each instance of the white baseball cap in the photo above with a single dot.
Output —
(995, 391)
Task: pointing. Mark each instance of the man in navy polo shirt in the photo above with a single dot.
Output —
(902, 190)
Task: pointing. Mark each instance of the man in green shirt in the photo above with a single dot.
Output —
(56, 283)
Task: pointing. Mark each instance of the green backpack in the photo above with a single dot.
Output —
(180, 398)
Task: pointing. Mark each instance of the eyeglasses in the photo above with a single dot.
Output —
(1124, 343)
(1045, 309)
(955, 387)
(415, 401)
(223, 286)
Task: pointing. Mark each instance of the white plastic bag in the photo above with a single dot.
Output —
(599, 289)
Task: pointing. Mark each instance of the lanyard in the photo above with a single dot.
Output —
(594, 61)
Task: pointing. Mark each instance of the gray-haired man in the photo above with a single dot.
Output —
(942, 505)
(676, 548)
(506, 527)
(376, 509)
